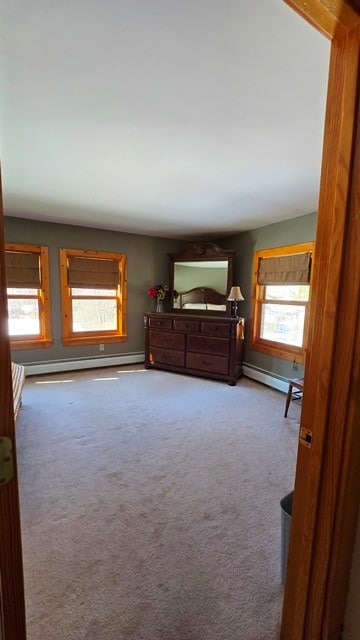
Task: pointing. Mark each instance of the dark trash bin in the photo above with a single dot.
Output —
(286, 513)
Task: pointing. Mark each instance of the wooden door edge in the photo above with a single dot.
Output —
(11, 565)
(306, 598)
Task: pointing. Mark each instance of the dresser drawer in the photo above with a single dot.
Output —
(160, 323)
(207, 362)
(215, 329)
(187, 325)
(208, 344)
(162, 356)
(166, 340)
(200, 345)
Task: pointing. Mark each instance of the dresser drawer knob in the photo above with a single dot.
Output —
(207, 345)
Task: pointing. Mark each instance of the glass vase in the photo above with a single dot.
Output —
(159, 306)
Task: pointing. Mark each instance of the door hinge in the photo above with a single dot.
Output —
(306, 437)
(6, 460)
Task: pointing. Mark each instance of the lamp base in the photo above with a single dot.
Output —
(235, 309)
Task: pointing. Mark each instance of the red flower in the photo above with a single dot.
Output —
(152, 292)
(162, 291)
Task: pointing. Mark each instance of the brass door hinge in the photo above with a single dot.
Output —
(306, 437)
(6, 460)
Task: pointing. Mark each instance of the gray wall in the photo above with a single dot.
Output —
(147, 266)
(293, 231)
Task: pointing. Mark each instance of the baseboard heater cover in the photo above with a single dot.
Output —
(57, 366)
(266, 377)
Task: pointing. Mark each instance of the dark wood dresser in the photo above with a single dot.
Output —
(207, 346)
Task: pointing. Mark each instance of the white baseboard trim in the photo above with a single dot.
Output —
(266, 377)
(56, 366)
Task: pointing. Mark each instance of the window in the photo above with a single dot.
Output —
(281, 284)
(93, 296)
(27, 275)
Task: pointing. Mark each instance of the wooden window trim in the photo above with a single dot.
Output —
(70, 338)
(44, 340)
(277, 349)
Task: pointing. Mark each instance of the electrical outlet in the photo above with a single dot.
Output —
(101, 347)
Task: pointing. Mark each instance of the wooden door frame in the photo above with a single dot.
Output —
(12, 600)
(327, 484)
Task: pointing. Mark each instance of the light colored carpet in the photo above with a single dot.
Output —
(150, 505)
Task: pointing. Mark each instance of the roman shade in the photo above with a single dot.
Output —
(93, 273)
(23, 270)
(290, 269)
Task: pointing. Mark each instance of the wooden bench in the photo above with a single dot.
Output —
(298, 384)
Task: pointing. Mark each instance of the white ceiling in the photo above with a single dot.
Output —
(160, 117)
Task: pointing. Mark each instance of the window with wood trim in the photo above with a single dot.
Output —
(93, 286)
(281, 294)
(28, 293)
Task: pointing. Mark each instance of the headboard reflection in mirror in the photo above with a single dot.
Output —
(202, 275)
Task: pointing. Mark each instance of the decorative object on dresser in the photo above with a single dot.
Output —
(235, 296)
(202, 274)
(159, 293)
(207, 346)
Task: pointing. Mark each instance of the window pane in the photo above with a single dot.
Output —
(287, 292)
(94, 315)
(283, 323)
(22, 292)
(94, 293)
(24, 319)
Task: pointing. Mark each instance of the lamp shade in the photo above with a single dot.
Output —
(235, 294)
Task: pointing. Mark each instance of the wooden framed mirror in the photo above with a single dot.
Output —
(201, 275)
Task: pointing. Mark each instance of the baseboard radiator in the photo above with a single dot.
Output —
(266, 377)
(76, 364)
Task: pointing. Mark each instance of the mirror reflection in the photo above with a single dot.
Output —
(201, 274)
(190, 275)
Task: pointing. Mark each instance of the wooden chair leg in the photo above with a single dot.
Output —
(288, 398)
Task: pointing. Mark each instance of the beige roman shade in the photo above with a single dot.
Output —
(290, 269)
(93, 273)
(23, 270)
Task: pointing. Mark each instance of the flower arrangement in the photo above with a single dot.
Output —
(161, 291)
